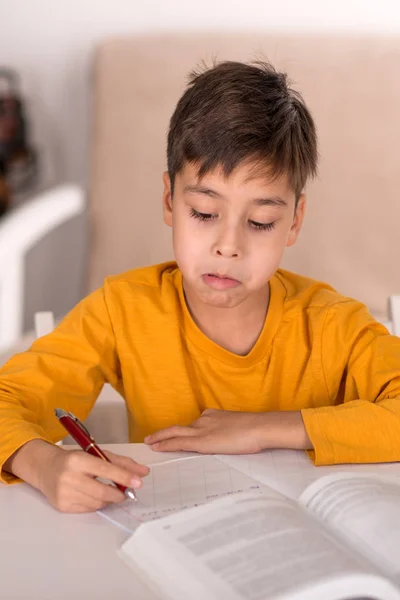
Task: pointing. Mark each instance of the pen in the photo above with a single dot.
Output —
(81, 435)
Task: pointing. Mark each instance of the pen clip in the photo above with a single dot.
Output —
(81, 425)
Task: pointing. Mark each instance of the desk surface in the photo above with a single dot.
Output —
(46, 554)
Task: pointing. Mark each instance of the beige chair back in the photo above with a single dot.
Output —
(352, 85)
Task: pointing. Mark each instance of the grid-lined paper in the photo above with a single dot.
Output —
(180, 484)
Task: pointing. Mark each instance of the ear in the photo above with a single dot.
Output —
(167, 199)
(297, 221)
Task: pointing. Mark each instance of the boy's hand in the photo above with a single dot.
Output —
(67, 477)
(70, 485)
(231, 432)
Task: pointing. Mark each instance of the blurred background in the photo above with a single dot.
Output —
(52, 45)
(96, 82)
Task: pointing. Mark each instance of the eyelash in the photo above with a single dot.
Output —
(210, 217)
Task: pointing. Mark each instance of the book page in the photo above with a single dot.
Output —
(249, 547)
(291, 472)
(179, 484)
(365, 511)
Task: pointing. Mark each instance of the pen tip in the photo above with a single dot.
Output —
(130, 494)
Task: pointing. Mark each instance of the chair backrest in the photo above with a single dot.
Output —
(44, 323)
(42, 259)
(394, 313)
(350, 236)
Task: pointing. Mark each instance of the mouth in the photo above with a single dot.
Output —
(220, 282)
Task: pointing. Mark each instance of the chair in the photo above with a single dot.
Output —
(39, 266)
(394, 313)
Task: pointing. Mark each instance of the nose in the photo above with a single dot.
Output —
(228, 244)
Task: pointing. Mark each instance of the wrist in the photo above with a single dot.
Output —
(27, 462)
(284, 429)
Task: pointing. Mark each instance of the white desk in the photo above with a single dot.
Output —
(47, 555)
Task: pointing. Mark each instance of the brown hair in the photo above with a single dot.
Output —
(235, 112)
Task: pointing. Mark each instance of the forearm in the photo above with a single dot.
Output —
(355, 432)
(27, 461)
(285, 429)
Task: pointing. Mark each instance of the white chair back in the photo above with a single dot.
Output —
(394, 314)
(44, 323)
(20, 232)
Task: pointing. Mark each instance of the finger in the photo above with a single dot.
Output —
(97, 493)
(85, 504)
(82, 462)
(169, 432)
(185, 444)
(77, 496)
(128, 463)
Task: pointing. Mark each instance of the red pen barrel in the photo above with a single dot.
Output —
(95, 451)
(76, 432)
(82, 437)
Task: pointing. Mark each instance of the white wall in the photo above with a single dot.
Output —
(51, 42)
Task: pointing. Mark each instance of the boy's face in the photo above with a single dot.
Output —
(229, 233)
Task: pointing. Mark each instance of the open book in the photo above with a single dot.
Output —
(339, 540)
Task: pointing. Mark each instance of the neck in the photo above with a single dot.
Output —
(236, 329)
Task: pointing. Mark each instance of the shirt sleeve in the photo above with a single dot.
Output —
(361, 365)
(64, 369)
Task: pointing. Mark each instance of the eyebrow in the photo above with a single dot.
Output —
(270, 201)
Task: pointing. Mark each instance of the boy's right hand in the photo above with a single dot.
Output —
(67, 477)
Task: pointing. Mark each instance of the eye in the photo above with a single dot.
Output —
(262, 226)
(202, 216)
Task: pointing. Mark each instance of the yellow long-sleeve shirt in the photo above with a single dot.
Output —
(318, 352)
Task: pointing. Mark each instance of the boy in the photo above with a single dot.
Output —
(221, 352)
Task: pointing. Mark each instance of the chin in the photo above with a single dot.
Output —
(220, 299)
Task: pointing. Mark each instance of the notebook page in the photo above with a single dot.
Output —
(365, 511)
(178, 484)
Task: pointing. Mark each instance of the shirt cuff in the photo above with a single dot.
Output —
(315, 425)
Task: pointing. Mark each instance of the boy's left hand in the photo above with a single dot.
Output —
(233, 432)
